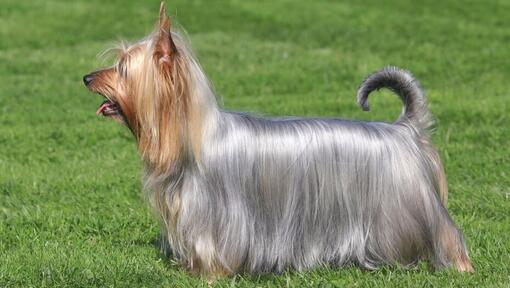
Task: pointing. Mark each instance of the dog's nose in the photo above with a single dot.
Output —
(87, 79)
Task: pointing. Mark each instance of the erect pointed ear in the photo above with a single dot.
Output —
(165, 47)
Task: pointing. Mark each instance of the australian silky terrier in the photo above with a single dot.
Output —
(239, 193)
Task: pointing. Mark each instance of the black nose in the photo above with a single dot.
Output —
(87, 79)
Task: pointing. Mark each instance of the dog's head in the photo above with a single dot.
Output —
(147, 90)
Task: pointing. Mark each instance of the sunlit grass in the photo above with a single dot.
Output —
(71, 211)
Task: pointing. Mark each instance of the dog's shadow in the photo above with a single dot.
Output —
(164, 252)
(162, 249)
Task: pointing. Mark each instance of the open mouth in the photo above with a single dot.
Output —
(108, 108)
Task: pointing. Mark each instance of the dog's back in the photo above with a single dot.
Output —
(300, 192)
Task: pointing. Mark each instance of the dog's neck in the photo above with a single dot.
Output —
(200, 121)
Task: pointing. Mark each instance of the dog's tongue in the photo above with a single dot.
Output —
(103, 106)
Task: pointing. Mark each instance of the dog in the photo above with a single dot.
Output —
(237, 193)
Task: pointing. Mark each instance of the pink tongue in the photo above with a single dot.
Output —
(101, 108)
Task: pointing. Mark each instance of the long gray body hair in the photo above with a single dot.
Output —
(266, 194)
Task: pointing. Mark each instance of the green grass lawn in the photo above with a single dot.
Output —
(71, 211)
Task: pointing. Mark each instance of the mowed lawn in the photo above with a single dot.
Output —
(71, 208)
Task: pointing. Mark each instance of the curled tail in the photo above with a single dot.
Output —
(401, 82)
(415, 112)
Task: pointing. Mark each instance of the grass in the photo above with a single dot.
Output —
(71, 211)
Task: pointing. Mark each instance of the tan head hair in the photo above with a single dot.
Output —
(162, 99)
(150, 83)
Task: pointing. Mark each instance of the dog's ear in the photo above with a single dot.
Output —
(165, 47)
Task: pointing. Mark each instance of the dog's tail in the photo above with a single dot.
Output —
(414, 114)
(401, 82)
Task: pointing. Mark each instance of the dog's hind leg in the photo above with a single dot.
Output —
(437, 169)
(451, 248)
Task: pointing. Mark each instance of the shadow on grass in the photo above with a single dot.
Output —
(164, 253)
(344, 275)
